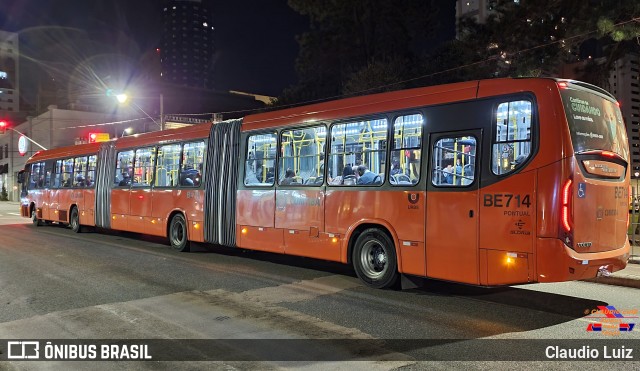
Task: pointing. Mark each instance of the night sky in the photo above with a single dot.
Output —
(254, 39)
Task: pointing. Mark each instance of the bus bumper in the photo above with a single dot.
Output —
(557, 262)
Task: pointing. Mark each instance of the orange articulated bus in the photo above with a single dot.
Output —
(491, 182)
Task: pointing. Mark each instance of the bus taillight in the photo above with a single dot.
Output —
(566, 206)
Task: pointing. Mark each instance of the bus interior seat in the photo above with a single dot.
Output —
(349, 180)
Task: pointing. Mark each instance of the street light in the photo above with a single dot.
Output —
(123, 98)
(127, 131)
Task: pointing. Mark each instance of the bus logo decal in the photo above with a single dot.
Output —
(413, 198)
(599, 213)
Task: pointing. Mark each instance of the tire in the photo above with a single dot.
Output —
(34, 218)
(74, 221)
(178, 236)
(374, 259)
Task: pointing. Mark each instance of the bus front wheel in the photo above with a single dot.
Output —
(374, 259)
(74, 221)
(178, 233)
(34, 218)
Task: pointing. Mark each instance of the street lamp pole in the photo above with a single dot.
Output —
(161, 112)
(29, 139)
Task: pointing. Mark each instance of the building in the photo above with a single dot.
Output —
(186, 51)
(9, 73)
(476, 9)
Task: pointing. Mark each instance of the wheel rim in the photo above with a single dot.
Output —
(374, 259)
(74, 220)
(177, 232)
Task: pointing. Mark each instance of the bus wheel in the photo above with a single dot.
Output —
(374, 259)
(74, 221)
(34, 218)
(178, 233)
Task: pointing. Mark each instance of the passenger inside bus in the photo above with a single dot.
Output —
(447, 174)
(396, 169)
(190, 177)
(365, 176)
(289, 178)
(126, 179)
(347, 178)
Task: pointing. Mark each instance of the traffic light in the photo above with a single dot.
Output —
(3, 126)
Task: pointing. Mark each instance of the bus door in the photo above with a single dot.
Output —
(121, 190)
(299, 210)
(452, 206)
(257, 197)
(140, 200)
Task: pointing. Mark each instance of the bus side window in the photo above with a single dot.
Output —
(192, 164)
(37, 176)
(79, 172)
(302, 160)
(406, 151)
(67, 173)
(143, 168)
(357, 155)
(168, 164)
(57, 174)
(512, 140)
(124, 169)
(453, 161)
(260, 159)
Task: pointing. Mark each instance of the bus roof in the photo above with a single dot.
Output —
(395, 100)
(167, 136)
(361, 105)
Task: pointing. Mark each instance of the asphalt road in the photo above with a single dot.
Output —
(58, 285)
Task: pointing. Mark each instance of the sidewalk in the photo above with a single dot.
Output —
(628, 277)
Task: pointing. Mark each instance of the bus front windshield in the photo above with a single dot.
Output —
(595, 122)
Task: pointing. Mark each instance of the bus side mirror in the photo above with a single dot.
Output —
(20, 176)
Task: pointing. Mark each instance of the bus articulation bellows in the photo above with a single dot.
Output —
(491, 182)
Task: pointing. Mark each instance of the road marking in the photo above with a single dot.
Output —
(16, 214)
(196, 315)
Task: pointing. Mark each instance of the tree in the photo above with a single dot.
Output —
(536, 38)
(352, 45)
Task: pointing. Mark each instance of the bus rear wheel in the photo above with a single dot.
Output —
(34, 218)
(374, 259)
(74, 221)
(178, 233)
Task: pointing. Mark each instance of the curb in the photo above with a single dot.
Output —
(617, 281)
(620, 278)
